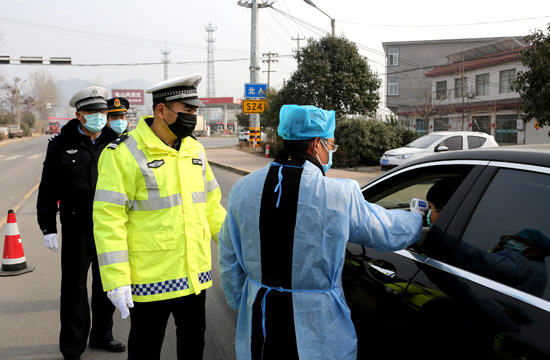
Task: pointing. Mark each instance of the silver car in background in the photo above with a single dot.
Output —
(434, 142)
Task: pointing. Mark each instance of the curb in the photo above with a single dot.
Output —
(13, 141)
(229, 168)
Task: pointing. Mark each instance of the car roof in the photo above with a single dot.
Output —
(538, 155)
(458, 133)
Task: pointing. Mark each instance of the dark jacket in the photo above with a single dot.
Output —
(70, 176)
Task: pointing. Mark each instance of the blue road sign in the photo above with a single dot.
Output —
(255, 91)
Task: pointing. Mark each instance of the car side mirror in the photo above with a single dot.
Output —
(441, 148)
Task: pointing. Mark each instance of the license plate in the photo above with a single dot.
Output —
(385, 162)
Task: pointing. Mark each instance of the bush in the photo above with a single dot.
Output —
(362, 141)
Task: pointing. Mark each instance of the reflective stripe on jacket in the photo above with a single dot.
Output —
(155, 211)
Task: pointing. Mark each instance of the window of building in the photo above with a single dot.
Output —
(482, 84)
(420, 127)
(441, 90)
(481, 124)
(460, 87)
(441, 124)
(506, 77)
(393, 86)
(506, 129)
(393, 56)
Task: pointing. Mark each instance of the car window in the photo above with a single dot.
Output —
(424, 142)
(397, 191)
(514, 207)
(475, 141)
(452, 143)
(402, 195)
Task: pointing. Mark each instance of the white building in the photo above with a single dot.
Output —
(472, 91)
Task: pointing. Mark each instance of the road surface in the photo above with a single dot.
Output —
(29, 303)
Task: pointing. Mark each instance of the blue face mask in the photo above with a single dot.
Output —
(119, 125)
(514, 246)
(326, 166)
(430, 224)
(95, 122)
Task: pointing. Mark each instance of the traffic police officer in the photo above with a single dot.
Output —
(117, 114)
(69, 177)
(157, 205)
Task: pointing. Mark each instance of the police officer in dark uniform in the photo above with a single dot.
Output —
(117, 113)
(69, 178)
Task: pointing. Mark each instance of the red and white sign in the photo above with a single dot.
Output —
(134, 96)
(221, 100)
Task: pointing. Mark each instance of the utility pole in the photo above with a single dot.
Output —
(165, 59)
(254, 60)
(298, 46)
(211, 78)
(16, 80)
(269, 61)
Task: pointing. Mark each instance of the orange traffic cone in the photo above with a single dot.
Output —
(13, 259)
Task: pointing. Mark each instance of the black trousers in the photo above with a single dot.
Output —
(148, 325)
(77, 255)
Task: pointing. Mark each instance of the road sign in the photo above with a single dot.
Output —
(255, 91)
(253, 106)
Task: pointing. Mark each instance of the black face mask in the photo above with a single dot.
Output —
(184, 125)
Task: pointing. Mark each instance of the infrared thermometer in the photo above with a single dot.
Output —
(419, 204)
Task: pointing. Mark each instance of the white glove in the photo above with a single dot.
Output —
(121, 297)
(51, 241)
(418, 211)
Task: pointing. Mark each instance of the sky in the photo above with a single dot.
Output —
(113, 41)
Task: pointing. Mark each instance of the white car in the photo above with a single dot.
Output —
(434, 142)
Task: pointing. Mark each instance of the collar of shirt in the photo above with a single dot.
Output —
(286, 156)
(82, 132)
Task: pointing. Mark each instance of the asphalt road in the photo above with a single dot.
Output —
(29, 303)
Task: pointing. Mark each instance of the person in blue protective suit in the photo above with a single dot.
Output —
(283, 242)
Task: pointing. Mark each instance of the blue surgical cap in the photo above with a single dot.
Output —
(304, 122)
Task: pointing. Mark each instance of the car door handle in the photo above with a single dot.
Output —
(381, 270)
(387, 272)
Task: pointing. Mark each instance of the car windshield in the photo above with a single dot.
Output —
(424, 141)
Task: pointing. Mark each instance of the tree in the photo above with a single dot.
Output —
(243, 120)
(532, 84)
(46, 95)
(363, 141)
(331, 75)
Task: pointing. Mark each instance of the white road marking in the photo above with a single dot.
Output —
(14, 157)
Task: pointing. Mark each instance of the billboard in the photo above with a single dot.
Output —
(134, 96)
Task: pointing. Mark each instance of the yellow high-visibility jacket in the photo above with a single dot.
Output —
(155, 211)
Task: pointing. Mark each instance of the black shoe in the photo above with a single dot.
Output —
(112, 346)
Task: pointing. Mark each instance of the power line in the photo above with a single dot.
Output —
(445, 25)
(118, 39)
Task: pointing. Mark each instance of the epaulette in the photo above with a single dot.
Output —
(53, 137)
(113, 145)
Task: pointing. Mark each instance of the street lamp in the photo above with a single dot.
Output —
(332, 21)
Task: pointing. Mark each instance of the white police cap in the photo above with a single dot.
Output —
(90, 98)
(182, 89)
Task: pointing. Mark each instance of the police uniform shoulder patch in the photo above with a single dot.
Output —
(155, 164)
(113, 145)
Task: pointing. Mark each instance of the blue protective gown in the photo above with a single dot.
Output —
(330, 212)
